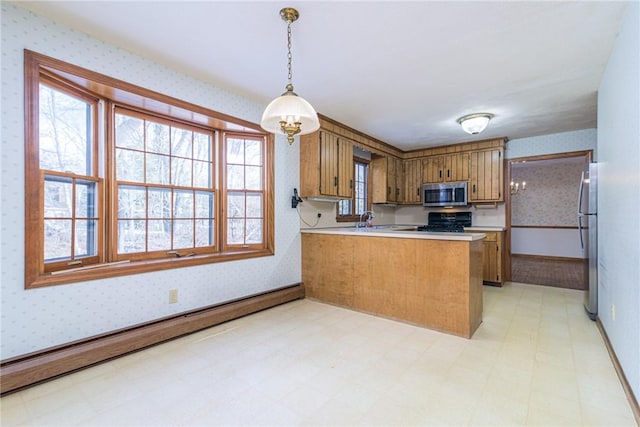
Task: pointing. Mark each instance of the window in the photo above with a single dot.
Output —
(350, 210)
(245, 198)
(121, 180)
(165, 188)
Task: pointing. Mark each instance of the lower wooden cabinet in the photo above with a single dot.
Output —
(492, 257)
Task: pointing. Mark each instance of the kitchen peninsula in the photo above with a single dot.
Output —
(432, 280)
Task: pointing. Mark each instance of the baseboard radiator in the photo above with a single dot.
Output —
(33, 368)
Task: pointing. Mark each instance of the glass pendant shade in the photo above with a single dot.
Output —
(474, 123)
(290, 114)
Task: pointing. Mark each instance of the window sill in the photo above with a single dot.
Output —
(137, 267)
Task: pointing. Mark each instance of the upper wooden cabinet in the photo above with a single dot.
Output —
(326, 166)
(452, 167)
(412, 181)
(486, 176)
(387, 180)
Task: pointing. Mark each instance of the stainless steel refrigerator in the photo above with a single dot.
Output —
(588, 230)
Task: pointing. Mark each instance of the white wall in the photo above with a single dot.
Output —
(619, 196)
(551, 242)
(40, 318)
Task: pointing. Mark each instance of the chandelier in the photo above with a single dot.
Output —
(516, 186)
(289, 113)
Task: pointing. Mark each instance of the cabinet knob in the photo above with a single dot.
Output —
(335, 181)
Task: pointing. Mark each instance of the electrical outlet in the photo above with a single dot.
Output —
(319, 215)
(613, 312)
(173, 296)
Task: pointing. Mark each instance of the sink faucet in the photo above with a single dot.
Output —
(369, 217)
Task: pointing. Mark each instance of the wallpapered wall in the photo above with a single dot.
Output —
(551, 195)
(40, 318)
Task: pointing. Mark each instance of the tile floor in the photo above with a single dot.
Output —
(535, 360)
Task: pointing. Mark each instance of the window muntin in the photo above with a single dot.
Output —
(352, 208)
(82, 184)
(70, 218)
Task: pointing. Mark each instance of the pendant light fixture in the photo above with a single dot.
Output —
(475, 123)
(290, 113)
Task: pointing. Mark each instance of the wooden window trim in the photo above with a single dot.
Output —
(135, 97)
(267, 193)
(356, 218)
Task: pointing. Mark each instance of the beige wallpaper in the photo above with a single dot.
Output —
(551, 196)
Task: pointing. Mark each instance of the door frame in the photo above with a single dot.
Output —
(588, 155)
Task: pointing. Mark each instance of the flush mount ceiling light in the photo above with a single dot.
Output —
(290, 113)
(475, 123)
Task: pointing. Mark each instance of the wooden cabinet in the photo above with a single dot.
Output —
(452, 167)
(386, 180)
(326, 166)
(486, 176)
(492, 254)
(412, 181)
(425, 282)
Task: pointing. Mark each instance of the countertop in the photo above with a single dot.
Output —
(395, 231)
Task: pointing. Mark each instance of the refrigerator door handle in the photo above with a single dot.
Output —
(580, 214)
(580, 231)
(580, 191)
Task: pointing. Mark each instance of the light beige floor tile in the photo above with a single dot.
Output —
(535, 360)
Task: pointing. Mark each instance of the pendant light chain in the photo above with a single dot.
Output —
(289, 51)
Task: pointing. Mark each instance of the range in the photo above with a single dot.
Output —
(451, 222)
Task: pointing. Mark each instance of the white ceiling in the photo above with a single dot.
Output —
(402, 72)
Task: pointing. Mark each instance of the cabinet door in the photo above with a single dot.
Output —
(492, 257)
(394, 179)
(328, 164)
(386, 180)
(345, 168)
(412, 181)
(432, 169)
(457, 167)
(486, 176)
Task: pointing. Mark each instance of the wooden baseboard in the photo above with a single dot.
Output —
(23, 371)
(633, 402)
(547, 258)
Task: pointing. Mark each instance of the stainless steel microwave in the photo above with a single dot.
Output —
(445, 194)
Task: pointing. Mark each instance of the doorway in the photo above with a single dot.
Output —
(542, 240)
